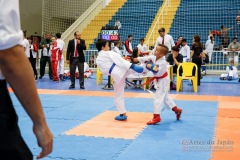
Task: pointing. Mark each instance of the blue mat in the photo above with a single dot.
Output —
(215, 79)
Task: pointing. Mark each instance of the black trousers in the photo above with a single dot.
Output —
(43, 61)
(198, 62)
(75, 62)
(12, 145)
(33, 64)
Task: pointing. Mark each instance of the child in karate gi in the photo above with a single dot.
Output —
(158, 65)
(111, 63)
(232, 72)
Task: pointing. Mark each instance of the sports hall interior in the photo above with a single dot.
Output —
(82, 121)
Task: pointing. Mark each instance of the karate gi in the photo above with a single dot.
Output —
(111, 63)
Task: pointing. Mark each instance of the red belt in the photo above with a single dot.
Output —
(157, 78)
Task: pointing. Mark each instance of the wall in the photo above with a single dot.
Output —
(31, 16)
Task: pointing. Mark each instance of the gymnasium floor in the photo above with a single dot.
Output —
(84, 128)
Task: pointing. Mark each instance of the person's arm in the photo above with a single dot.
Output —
(172, 42)
(82, 44)
(12, 62)
(68, 52)
(127, 47)
(188, 52)
(177, 61)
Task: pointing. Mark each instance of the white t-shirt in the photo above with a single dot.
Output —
(209, 45)
(10, 32)
(25, 44)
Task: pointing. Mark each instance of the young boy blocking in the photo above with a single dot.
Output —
(158, 65)
(111, 63)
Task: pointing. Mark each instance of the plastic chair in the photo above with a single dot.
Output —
(99, 76)
(187, 68)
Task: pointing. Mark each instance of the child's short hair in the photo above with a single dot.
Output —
(130, 35)
(116, 43)
(135, 52)
(164, 49)
(184, 40)
(231, 61)
(175, 48)
(101, 43)
(142, 39)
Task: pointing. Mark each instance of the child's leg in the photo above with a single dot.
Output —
(119, 99)
(169, 103)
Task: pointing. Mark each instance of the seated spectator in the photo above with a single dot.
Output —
(143, 48)
(175, 59)
(232, 72)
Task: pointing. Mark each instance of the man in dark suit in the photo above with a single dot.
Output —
(75, 57)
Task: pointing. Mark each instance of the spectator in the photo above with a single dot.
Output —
(45, 56)
(209, 47)
(128, 46)
(33, 56)
(136, 53)
(61, 45)
(143, 47)
(165, 39)
(179, 42)
(75, 54)
(116, 48)
(196, 56)
(118, 24)
(12, 63)
(55, 57)
(223, 35)
(175, 59)
(185, 51)
(233, 49)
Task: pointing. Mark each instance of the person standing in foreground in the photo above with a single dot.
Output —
(158, 65)
(12, 62)
(111, 63)
(75, 57)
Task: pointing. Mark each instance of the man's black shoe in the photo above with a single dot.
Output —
(82, 87)
(71, 86)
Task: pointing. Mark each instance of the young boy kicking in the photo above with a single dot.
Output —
(158, 65)
(111, 63)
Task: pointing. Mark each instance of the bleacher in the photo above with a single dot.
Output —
(198, 17)
(136, 18)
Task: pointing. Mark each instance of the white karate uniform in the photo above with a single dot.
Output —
(116, 49)
(161, 85)
(10, 32)
(61, 62)
(26, 45)
(233, 73)
(209, 48)
(185, 52)
(143, 48)
(105, 60)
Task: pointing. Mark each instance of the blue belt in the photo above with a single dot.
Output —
(110, 70)
(184, 56)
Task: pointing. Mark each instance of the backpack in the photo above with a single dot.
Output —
(35, 48)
